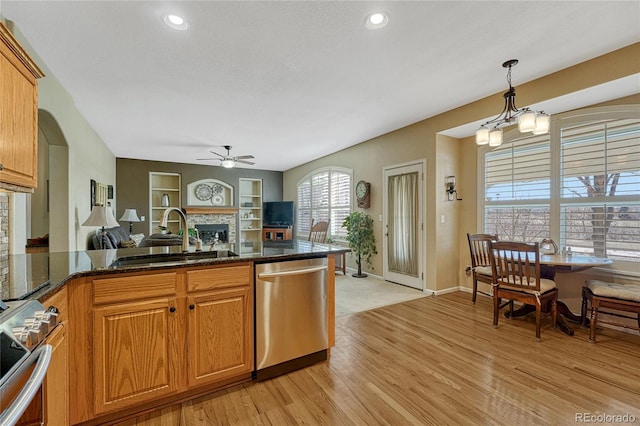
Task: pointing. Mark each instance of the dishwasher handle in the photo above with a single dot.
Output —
(292, 272)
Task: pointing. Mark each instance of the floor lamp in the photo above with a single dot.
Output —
(103, 217)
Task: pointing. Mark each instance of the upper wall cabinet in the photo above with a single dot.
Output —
(18, 113)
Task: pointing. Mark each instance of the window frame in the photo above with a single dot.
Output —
(308, 178)
(556, 202)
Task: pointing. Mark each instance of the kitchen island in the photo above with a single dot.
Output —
(149, 327)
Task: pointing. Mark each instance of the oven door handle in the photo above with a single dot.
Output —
(12, 414)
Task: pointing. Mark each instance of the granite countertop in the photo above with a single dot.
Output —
(37, 275)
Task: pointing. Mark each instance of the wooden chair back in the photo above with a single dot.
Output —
(516, 264)
(479, 249)
(318, 233)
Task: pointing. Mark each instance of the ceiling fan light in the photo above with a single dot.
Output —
(482, 136)
(543, 122)
(227, 163)
(527, 121)
(495, 137)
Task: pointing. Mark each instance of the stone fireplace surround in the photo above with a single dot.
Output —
(211, 215)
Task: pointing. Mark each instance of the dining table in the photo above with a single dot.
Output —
(550, 264)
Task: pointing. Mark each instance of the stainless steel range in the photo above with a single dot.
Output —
(24, 358)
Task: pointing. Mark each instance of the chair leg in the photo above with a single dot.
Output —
(496, 309)
(583, 309)
(538, 312)
(554, 313)
(594, 321)
(475, 291)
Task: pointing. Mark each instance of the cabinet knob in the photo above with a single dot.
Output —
(172, 309)
(192, 306)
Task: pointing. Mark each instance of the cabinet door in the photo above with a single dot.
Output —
(135, 353)
(56, 400)
(220, 335)
(18, 121)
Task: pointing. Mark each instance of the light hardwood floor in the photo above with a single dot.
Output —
(434, 361)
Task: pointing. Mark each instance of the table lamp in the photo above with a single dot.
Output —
(103, 217)
(130, 215)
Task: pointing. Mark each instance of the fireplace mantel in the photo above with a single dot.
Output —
(210, 210)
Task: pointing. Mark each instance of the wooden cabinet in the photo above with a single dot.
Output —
(56, 395)
(282, 233)
(250, 215)
(134, 353)
(18, 113)
(160, 335)
(220, 323)
(164, 192)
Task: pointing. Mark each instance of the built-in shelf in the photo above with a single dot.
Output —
(161, 183)
(250, 213)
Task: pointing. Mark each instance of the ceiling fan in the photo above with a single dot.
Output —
(227, 161)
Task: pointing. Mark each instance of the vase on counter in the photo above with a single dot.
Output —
(165, 200)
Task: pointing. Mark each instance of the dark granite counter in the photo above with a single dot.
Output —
(38, 275)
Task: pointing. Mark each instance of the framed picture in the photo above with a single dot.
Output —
(93, 193)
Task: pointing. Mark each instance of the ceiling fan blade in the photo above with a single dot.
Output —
(244, 161)
(219, 155)
(206, 159)
(243, 157)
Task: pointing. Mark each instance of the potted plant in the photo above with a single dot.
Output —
(361, 240)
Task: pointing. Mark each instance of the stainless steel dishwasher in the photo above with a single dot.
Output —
(291, 315)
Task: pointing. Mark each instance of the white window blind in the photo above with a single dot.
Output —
(517, 189)
(324, 194)
(579, 185)
(600, 194)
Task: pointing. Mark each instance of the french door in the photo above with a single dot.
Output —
(403, 219)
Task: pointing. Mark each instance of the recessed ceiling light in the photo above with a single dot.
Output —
(176, 22)
(376, 20)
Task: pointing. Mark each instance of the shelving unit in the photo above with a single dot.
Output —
(250, 215)
(159, 184)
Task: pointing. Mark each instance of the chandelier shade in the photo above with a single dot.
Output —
(528, 120)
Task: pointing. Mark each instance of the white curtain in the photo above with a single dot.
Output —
(403, 224)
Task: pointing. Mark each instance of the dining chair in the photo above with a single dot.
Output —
(318, 232)
(480, 261)
(516, 270)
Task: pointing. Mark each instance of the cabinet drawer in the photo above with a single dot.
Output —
(220, 277)
(136, 287)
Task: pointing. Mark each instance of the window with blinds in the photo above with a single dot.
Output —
(517, 189)
(324, 194)
(600, 188)
(579, 185)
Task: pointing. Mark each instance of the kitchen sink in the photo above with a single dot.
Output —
(165, 258)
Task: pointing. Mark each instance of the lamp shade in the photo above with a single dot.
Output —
(527, 121)
(495, 137)
(482, 136)
(101, 216)
(130, 215)
(543, 122)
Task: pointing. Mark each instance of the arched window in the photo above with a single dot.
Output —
(324, 194)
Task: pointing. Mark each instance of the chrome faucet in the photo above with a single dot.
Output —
(185, 227)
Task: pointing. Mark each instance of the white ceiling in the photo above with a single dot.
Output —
(291, 81)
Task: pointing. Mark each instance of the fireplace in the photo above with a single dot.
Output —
(208, 231)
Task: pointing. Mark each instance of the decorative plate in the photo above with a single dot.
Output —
(217, 188)
(217, 200)
(203, 192)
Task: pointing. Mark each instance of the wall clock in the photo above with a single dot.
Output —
(363, 194)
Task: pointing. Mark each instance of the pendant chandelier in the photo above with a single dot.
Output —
(528, 120)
